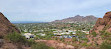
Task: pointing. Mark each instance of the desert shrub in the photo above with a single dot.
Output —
(109, 38)
(56, 38)
(85, 39)
(107, 26)
(102, 32)
(16, 38)
(84, 44)
(94, 34)
(105, 45)
(30, 43)
(80, 34)
(40, 45)
(74, 39)
(61, 39)
(105, 35)
(93, 39)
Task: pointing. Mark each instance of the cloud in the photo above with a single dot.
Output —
(42, 10)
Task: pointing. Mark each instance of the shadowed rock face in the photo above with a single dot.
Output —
(5, 26)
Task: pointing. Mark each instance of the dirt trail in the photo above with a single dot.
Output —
(56, 44)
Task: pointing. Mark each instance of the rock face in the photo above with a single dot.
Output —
(103, 23)
(5, 26)
(78, 18)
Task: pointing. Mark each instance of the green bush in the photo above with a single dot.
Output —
(102, 32)
(105, 45)
(94, 34)
(74, 39)
(105, 35)
(40, 45)
(16, 38)
(85, 39)
(30, 43)
(84, 44)
(109, 38)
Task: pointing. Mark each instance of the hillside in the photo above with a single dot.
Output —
(77, 18)
(103, 23)
(7, 31)
(6, 27)
(101, 32)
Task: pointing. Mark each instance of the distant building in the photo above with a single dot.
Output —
(41, 34)
(87, 32)
(28, 35)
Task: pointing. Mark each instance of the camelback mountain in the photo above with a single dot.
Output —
(6, 27)
(77, 18)
(101, 31)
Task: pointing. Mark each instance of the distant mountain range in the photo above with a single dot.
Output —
(77, 18)
(74, 19)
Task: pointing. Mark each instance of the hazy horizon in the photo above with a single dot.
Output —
(50, 10)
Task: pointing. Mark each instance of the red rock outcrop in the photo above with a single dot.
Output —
(5, 26)
(103, 23)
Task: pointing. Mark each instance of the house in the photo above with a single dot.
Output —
(28, 35)
(41, 34)
(87, 32)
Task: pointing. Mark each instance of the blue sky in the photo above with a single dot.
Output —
(50, 10)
